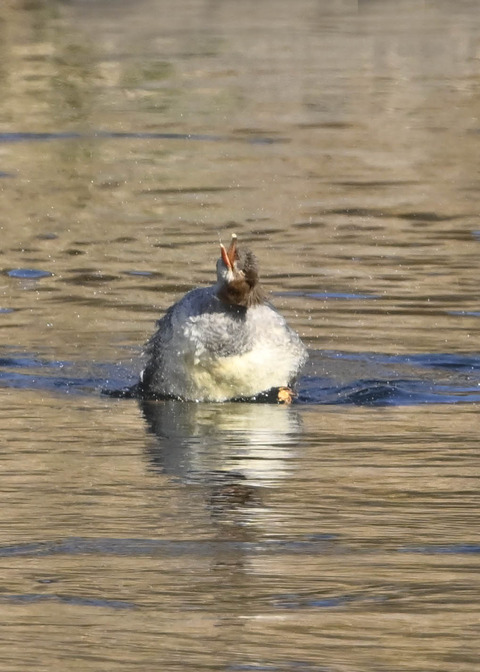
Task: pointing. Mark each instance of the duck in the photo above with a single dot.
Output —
(225, 342)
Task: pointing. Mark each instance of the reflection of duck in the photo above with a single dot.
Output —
(251, 442)
(223, 342)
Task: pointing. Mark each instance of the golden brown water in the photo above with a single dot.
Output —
(341, 141)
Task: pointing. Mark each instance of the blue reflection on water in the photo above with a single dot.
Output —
(336, 378)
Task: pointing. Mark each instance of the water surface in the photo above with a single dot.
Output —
(340, 141)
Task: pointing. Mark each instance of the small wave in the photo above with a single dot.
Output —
(361, 379)
(136, 135)
(68, 599)
(447, 549)
(28, 273)
(385, 393)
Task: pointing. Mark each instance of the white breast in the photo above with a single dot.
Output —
(271, 356)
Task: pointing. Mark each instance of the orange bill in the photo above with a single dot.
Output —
(229, 256)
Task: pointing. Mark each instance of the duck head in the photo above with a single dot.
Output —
(237, 277)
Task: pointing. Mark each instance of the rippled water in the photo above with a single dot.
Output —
(341, 142)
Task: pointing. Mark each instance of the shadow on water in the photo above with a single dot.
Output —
(330, 377)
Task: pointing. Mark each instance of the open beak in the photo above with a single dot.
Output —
(228, 256)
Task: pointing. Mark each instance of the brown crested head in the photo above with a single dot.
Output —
(238, 280)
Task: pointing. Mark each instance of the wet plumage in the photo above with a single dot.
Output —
(222, 342)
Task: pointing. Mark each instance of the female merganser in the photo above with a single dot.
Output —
(223, 342)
